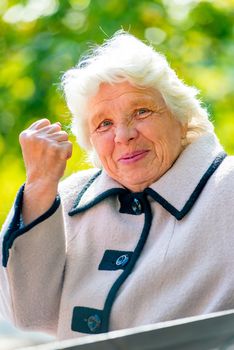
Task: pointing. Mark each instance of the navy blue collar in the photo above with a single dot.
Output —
(177, 190)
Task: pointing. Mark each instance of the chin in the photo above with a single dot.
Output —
(136, 186)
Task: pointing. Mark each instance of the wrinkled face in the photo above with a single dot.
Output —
(134, 134)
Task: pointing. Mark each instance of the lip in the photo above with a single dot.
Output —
(132, 157)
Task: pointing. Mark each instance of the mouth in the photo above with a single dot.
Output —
(133, 156)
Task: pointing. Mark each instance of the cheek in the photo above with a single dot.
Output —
(162, 133)
(151, 131)
(103, 144)
(173, 140)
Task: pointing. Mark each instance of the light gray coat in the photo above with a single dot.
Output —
(184, 267)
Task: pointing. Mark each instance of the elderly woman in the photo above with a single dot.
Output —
(146, 237)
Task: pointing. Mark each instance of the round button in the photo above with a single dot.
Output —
(94, 322)
(136, 206)
(122, 260)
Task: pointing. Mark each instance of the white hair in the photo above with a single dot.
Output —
(125, 58)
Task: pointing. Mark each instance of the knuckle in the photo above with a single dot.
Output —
(64, 136)
(24, 136)
(43, 121)
(54, 148)
(64, 133)
(55, 126)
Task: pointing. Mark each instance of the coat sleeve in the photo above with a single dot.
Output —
(32, 268)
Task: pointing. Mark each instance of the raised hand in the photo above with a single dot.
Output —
(45, 149)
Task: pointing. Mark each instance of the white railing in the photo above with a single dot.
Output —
(208, 332)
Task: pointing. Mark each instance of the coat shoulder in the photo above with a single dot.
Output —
(224, 178)
(226, 169)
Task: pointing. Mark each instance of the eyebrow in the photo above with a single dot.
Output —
(147, 102)
(141, 100)
(137, 102)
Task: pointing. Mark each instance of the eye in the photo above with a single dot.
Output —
(143, 112)
(104, 125)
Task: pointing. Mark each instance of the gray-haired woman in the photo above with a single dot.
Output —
(145, 237)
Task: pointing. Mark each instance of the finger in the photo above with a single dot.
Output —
(51, 128)
(59, 136)
(39, 124)
(54, 127)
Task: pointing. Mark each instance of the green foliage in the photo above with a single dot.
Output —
(39, 40)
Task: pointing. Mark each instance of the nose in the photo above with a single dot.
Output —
(125, 133)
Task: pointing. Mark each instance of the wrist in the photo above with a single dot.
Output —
(38, 198)
(41, 188)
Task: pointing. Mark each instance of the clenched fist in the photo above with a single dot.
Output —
(45, 149)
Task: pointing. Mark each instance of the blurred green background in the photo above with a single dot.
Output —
(41, 39)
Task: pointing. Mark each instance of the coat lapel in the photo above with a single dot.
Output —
(177, 190)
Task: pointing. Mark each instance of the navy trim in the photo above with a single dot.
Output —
(86, 320)
(179, 214)
(84, 189)
(15, 230)
(115, 260)
(104, 195)
(120, 280)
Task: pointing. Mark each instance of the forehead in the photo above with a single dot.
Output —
(123, 92)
